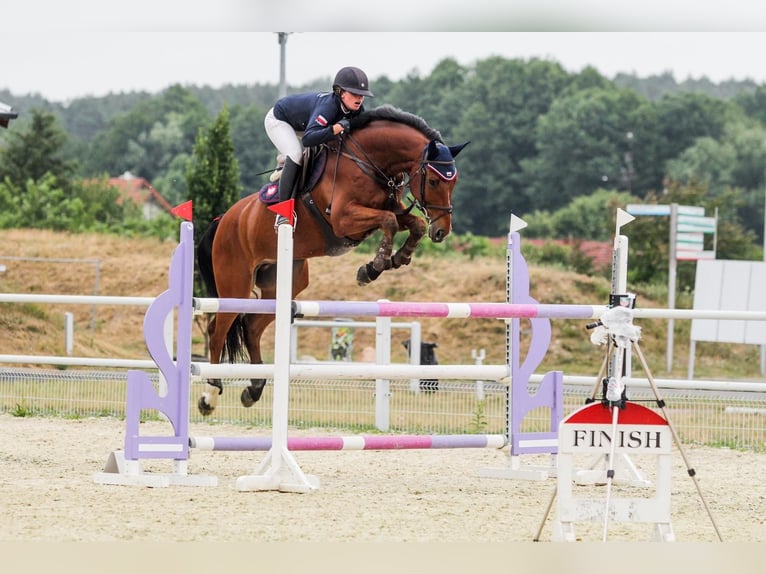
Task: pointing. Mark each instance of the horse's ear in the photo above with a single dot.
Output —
(433, 150)
(456, 149)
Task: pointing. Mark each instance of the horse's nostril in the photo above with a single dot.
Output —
(439, 236)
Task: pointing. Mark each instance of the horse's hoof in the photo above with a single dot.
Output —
(398, 261)
(252, 394)
(366, 274)
(362, 278)
(204, 407)
(246, 398)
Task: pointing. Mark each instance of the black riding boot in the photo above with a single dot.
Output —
(287, 185)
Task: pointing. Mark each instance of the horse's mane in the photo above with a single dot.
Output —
(393, 114)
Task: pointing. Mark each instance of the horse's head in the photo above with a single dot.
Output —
(438, 176)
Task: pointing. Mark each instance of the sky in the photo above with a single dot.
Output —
(69, 64)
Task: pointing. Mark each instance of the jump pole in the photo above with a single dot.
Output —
(366, 442)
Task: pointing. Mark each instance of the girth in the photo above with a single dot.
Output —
(334, 245)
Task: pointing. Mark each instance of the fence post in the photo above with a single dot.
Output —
(69, 333)
(414, 352)
(478, 358)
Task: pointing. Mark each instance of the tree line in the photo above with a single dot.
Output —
(561, 150)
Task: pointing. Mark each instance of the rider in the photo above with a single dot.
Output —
(310, 119)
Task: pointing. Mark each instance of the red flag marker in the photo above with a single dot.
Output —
(184, 210)
(285, 209)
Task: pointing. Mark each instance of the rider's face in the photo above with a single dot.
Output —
(351, 101)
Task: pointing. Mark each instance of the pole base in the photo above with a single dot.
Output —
(278, 471)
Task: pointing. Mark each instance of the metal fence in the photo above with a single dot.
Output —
(735, 419)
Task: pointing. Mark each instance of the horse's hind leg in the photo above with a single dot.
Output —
(226, 330)
(257, 324)
(217, 329)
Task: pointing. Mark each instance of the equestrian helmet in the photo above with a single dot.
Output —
(352, 80)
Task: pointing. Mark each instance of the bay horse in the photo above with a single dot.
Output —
(368, 171)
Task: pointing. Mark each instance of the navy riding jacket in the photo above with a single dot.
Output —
(314, 114)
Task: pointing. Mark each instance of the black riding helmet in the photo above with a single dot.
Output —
(352, 80)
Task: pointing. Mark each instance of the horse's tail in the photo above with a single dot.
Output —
(234, 347)
(205, 258)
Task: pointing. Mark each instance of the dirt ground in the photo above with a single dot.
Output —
(48, 494)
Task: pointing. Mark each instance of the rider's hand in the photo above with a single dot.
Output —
(343, 126)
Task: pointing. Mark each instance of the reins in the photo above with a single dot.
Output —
(392, 184)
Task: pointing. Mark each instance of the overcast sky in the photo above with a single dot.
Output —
(68, 65)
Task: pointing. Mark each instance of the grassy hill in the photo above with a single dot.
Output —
(116, 266)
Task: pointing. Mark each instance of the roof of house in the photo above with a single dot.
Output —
(139, 190)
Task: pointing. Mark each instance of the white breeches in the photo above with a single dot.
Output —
(284, 137)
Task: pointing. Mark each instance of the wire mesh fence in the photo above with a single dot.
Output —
(714, 418)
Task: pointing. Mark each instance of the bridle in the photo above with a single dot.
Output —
(396, 184)
(421, 203)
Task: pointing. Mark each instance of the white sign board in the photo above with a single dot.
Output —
(730, 285)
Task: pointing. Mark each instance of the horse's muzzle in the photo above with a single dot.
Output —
(437, 235)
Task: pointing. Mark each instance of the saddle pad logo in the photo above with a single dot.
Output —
(269, 193)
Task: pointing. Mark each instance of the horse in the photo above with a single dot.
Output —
(360, 189)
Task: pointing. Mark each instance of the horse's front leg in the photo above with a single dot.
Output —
(368, 273)
(417, 230)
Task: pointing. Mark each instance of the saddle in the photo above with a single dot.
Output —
(314, 163)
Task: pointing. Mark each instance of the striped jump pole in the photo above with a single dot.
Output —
(365, 442)
(447, 310)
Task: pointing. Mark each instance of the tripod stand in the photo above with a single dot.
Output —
(616, 328)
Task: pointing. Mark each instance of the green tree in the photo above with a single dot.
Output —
(753, 103)
(254, 150)
(584, 143)
(212, 177)
(586, 217)
(502, 102)
(683, 118)
(146, 139)
(33, 152)
(735, 161)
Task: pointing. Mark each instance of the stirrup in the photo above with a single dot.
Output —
(282, 219)
(279, 221)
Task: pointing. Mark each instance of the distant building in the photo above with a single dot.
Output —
(7, 114)
(142, 193)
